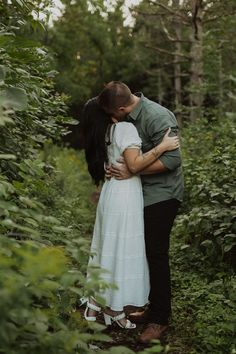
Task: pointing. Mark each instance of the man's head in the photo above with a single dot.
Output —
(116, 99)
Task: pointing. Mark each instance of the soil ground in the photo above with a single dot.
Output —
(129, 338)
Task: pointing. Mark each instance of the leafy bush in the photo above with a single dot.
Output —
(208, 218)
(46, 214)
(203, 303)
(42, 260)
(204, 246)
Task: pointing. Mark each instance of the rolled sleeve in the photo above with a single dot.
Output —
(157, 128)
(171, 159)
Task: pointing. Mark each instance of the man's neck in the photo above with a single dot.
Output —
(136, 100)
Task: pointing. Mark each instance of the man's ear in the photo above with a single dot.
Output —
(121, 109)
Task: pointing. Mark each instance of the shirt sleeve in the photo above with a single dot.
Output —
(156, 128)
(126, 136)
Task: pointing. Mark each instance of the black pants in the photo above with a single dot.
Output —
(158, 221)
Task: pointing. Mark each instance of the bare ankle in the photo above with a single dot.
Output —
(111, 312)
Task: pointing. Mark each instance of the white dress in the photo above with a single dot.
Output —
(118, 237)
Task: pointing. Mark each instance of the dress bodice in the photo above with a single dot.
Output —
(123, 135)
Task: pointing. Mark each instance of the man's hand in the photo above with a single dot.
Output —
(107, 169)
(120, 170)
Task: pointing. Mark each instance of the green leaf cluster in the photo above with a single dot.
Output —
(208, 218)
(203, 303)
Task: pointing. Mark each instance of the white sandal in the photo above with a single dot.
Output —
(108, 321)
(92, 307)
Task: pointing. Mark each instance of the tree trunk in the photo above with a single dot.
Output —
(177, 66)
(159, 84)
(220, 77)
(196, 54)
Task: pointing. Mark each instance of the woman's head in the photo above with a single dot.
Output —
(94, 126)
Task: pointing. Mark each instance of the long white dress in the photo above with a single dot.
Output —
(118, 237)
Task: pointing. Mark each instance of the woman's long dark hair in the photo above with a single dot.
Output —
(94, 126)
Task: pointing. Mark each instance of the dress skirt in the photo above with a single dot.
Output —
(118, 244)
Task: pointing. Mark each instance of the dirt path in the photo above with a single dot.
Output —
(129, 338)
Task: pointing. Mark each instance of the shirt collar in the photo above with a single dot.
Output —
(135, 112)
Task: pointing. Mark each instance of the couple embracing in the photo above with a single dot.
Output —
(137, 141)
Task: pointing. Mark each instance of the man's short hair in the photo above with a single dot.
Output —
(115, 94)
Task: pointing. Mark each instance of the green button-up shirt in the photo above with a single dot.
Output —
(152, 120)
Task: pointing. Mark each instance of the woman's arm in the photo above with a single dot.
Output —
(155, 167)
(137, 162)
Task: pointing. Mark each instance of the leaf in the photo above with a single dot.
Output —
(207, 243)
(52, 73)
(227, 248)
(28, 202)
(71, 121)
(61, 229)
(20, 2)
(4, 119)
(184, 247)
(7, 157)
(8, 206)
(2, 72)
(14, 97)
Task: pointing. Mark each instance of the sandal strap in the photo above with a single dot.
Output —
(119, 317)
(93, 307)
(129, 324)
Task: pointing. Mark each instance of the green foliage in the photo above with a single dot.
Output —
(92, 47)
(43, 259)
(47, 204)
(43, 265)
(208, 219)
(203, 305)
(204, 242)
(41, 268)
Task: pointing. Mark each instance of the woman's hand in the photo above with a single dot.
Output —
(119, 171)
(169, 142)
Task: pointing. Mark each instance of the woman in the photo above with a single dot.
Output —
(118, 238)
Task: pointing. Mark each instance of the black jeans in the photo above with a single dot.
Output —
(158, 222)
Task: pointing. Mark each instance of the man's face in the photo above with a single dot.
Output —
(121, 113)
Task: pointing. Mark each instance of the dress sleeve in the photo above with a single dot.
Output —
(126, 136)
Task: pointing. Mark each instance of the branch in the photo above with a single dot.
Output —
(174, 63)
(172, 39)
(163, 6)
(187, 23)
(154, 72)
(161, 50)
(166, 31)
(213, 18)
(172, 12)
(181, 40)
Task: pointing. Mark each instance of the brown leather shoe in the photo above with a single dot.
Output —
(139, 316)
(153, 331)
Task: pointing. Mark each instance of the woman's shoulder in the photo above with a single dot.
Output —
(125, 126)
(125, 129)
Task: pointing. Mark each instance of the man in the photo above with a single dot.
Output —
(162, 189)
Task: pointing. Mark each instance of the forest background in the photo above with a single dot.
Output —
(178, 53)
